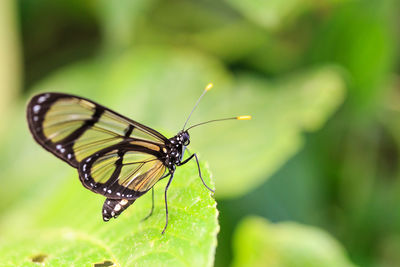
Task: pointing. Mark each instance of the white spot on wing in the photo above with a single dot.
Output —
(42, 98)
(36, 108)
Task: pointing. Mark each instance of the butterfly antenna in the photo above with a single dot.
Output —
(208, 88)
(241, 118)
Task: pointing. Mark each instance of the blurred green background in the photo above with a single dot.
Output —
(312, 180)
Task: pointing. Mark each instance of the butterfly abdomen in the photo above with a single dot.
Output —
(112, 208)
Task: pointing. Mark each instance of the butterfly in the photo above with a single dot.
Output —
(115, 156)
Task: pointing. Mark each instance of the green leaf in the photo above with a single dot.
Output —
(119, 21)
(343, 40)
(270, 14)
(260, 243)
(275, 14)
(244, 154)
(65, 228)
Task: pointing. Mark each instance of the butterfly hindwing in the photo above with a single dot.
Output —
(74, 128)
(125, 170)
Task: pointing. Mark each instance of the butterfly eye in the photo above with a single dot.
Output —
(185, 138)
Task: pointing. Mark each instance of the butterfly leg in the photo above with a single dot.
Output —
(166, 202)
(152, 205)
(152, 198)
(198, 167)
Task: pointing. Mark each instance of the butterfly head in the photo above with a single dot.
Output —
(183, 138)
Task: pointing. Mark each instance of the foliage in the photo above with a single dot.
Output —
(260, 243)
(319, 78)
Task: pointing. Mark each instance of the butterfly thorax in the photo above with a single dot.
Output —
(175, 149)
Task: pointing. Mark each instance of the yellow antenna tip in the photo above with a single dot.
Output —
(243, 118)
(209, 86)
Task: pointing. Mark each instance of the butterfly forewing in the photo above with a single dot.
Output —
(73, 128)
(126, 170)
